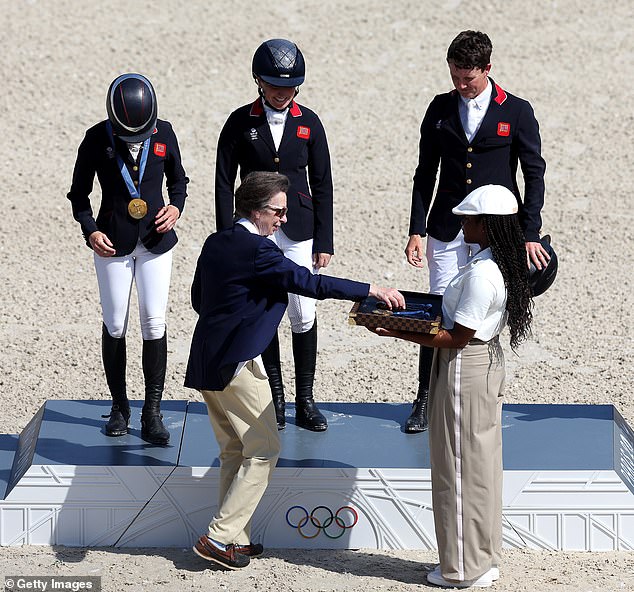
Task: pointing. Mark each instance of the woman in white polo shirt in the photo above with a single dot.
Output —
(466, 387)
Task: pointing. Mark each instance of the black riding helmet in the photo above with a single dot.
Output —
(279, 62)
(541, 279)
(131, 106)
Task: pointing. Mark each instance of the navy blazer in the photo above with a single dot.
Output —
(97, 156)
(240, 292)
(508, 135)
(246, 142)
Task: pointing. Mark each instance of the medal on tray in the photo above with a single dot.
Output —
(137, 208)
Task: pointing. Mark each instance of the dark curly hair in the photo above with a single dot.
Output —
(470, 49)
(509, 252)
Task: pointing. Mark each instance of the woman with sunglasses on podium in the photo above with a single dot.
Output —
(240, 292)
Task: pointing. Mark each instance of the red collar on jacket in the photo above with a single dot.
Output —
(257, 109)
(500, 94)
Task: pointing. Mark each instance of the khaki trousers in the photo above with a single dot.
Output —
(243, 420)
(465, 441)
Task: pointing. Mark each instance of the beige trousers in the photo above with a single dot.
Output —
(243, 420)
(465, 441)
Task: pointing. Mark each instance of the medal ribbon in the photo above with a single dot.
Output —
(125, 173)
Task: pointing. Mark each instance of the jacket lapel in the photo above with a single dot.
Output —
(453, 123)
(488, 128)
(261, 124)
(123, 151)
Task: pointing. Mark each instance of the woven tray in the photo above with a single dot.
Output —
(369, 313)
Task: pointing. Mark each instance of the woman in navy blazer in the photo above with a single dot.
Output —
(132, 153)
(277, 134)
(240, 291)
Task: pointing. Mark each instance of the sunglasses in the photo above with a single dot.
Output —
(280, 211)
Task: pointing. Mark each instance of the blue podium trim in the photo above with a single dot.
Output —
(360, 435)
(72, 433)
(558, 437)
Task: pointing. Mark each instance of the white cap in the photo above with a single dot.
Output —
(488, 199)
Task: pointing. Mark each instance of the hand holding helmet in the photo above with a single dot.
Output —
(541, 279)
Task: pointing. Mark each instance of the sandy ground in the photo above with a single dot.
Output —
(372, 69)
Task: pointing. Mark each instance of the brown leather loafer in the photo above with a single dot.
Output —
(251, 550)
(225, 555)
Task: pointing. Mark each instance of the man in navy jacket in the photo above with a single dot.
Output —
(240, 292)
(478, 134)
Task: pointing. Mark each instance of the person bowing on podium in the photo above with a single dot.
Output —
(132, 153)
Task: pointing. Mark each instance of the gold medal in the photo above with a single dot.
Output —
(137, 208)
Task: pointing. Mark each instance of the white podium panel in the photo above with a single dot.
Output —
(364, 483)
(350, 509)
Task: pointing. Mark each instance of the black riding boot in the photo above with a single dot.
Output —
(417, 421)
(154, 365)
(113, 354)
(305, 355)
(273, 367)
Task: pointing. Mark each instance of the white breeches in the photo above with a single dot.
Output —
(444, 259)
(151, 273)
(301, 310)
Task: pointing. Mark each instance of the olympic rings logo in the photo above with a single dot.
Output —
(325, 523)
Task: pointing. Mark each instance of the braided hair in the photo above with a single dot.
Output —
(509, 252)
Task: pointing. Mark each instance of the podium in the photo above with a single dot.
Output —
(364, 483)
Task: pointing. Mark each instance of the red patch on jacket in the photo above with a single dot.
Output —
(504, 129)
(303, 132)
(160, 149)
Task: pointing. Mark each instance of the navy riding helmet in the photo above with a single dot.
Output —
(541, 279)
(132, 108)
(279, 62)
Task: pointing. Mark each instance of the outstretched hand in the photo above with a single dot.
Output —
(420, 338)
(383, 332)
(391, 296)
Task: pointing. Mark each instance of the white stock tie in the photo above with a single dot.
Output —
(473, 119)
(276, 121)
